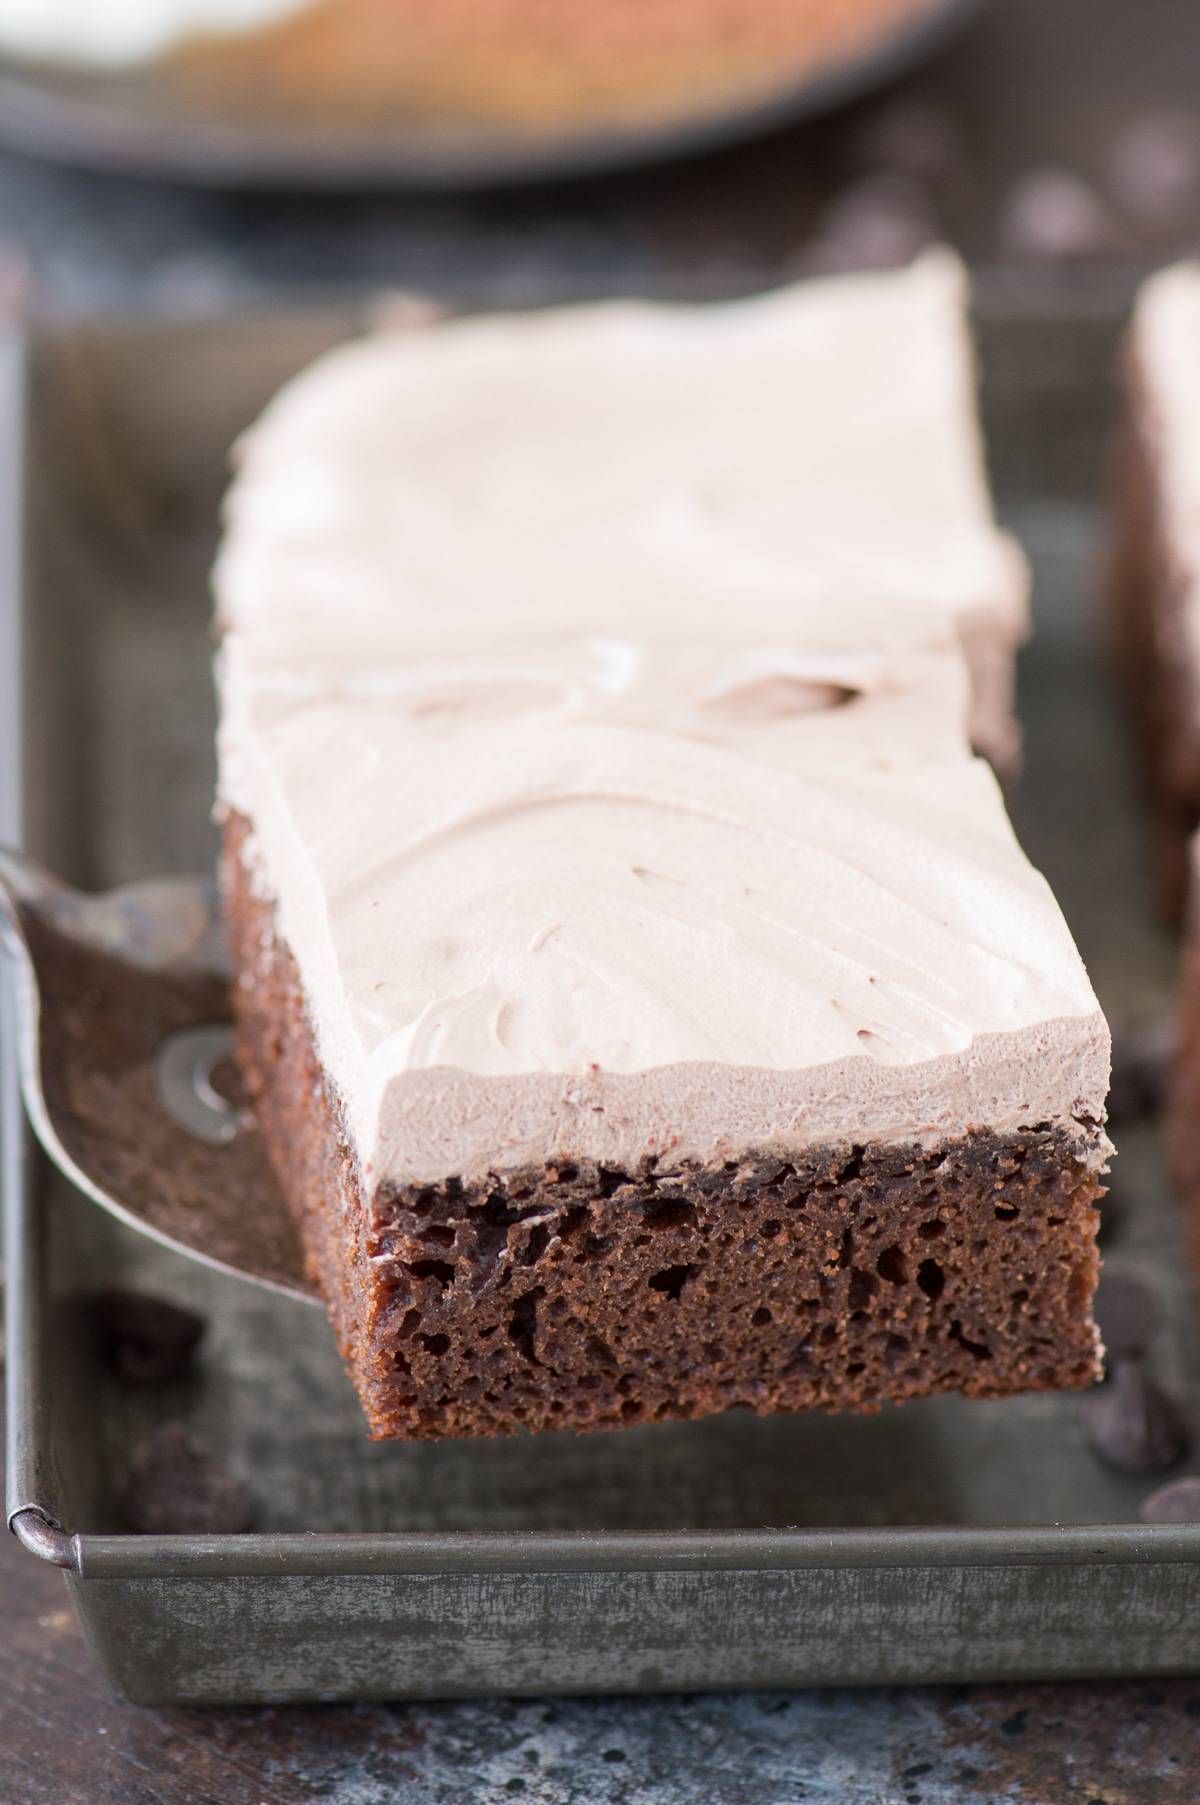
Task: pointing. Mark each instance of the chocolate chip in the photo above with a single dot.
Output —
(911, 137)
(1154, 170)
(1178, 1502)
(879, 222)
(1128, 1311)
(1053, 216)
(404, 310)
(1132, 1424)
(142, 1338)
(1141, 1063)
(176, 1488)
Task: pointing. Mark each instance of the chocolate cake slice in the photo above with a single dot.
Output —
(1156, 595)
(1156, 567)
(647, 1005)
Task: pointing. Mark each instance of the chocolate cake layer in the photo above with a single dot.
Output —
(584, 1296)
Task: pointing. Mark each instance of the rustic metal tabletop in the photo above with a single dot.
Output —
(1061, 138)
(65, 1742)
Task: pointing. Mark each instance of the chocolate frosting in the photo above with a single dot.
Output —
(598, 685)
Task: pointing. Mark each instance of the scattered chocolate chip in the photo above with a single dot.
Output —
(1053, 216)
(1178, 1502)
(1132, 1424)
(404, 310)
(142, 1338)
(1142, 1058)
(1128, 1311)
(879, 222)
(176, 1488)
(911, 137)
(1154, 170)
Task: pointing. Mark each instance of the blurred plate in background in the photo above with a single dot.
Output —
(307, 104)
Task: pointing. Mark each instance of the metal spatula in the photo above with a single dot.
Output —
(127, 1070)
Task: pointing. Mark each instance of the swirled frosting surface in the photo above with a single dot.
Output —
(595, 686)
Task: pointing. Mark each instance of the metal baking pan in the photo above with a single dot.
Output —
(143, 123)
(945, 1540)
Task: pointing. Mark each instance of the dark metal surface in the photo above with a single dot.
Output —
(45, 1539)
(947, 1539)
(143, 126)
(67, 1741)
